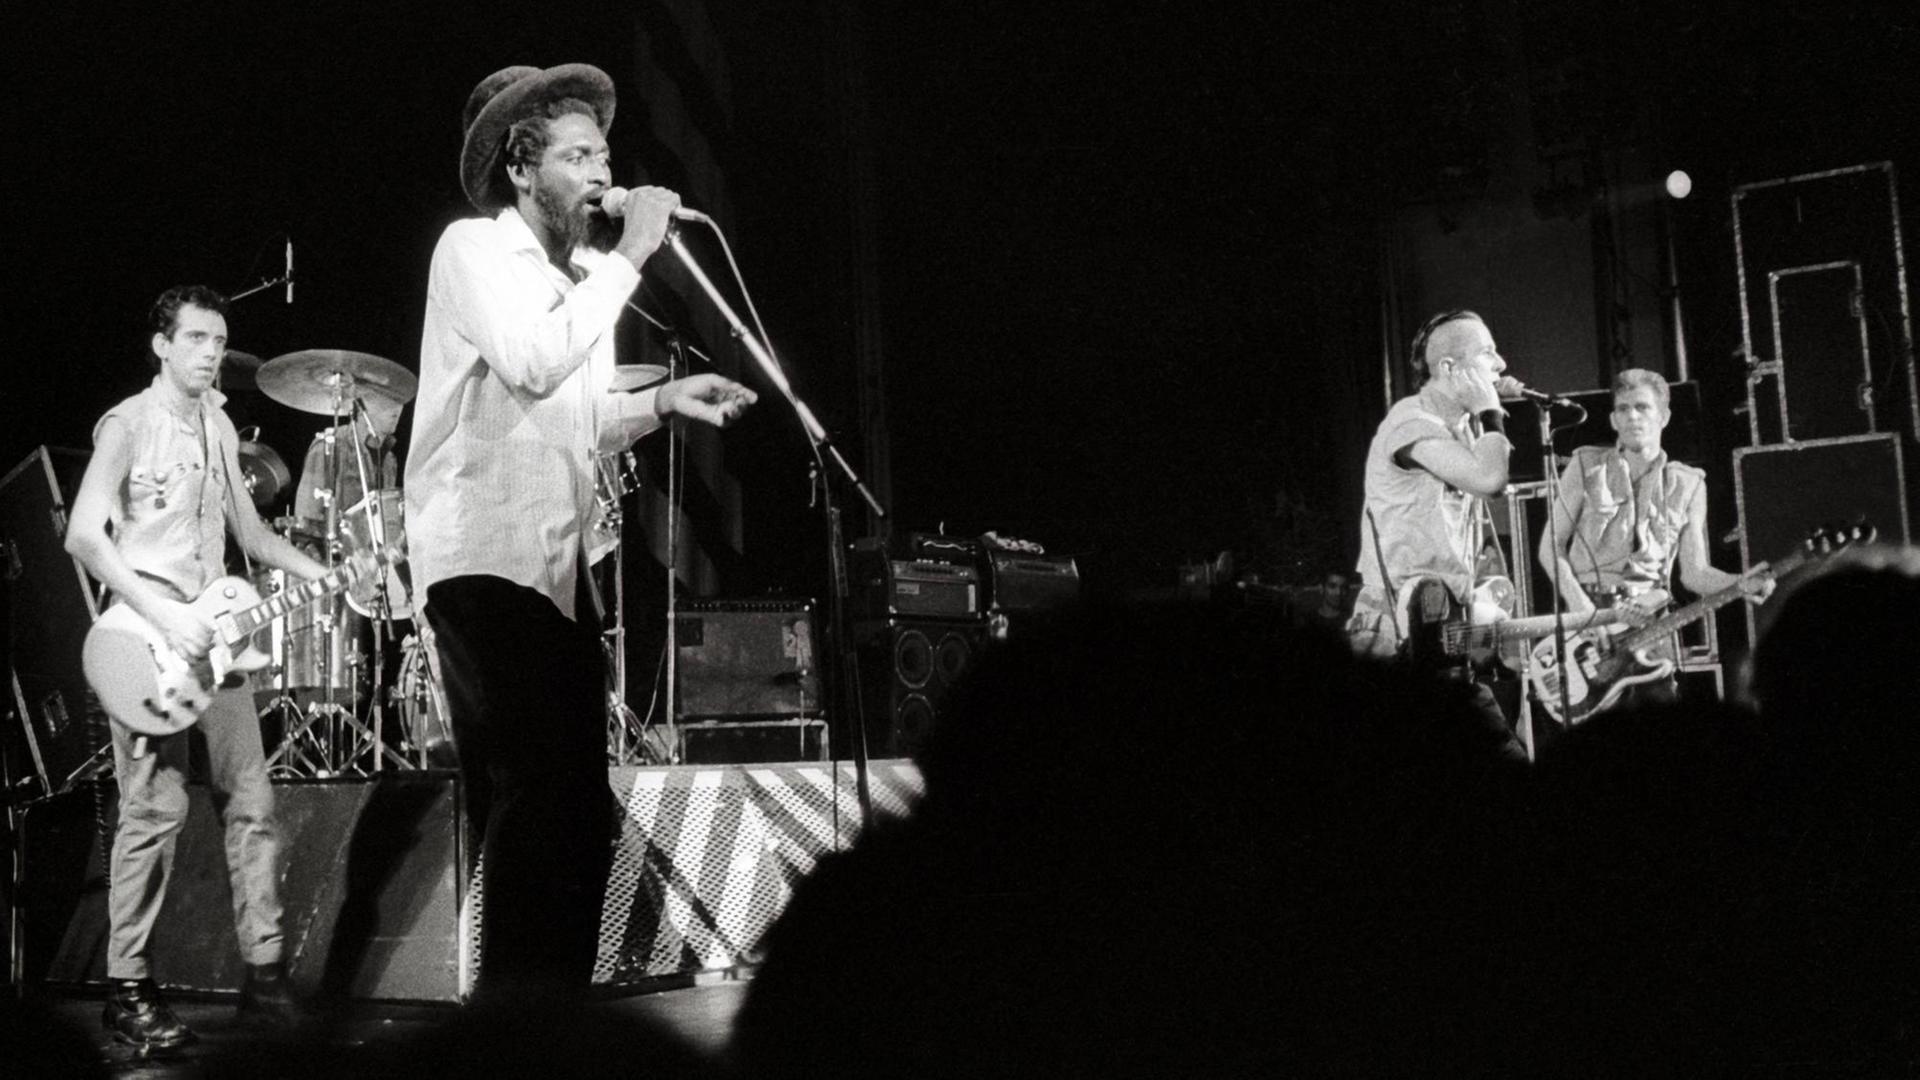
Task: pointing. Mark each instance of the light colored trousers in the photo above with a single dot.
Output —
(153, 807)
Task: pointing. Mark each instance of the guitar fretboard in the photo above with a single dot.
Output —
(1464, 638)
(1679, 617)
(246, 623)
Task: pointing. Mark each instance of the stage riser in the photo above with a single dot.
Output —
(372, 879)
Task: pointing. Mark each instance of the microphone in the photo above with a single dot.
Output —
(1512, 389)
(375, 441)
(289, 269)
(614, 204)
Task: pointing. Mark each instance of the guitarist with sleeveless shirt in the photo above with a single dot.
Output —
(165, 478)
(1435, 456)
(1626, 515)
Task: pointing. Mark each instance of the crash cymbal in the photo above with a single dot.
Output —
(238, 370)
(265, 474)
(630, 377)
(309, 380)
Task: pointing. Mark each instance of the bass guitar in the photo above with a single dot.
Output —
(1440, 634)
(1601, 667)
(150, 689)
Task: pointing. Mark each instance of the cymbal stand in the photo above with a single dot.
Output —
(676, 468)
(625, 733)
(332, 731)
(381, 604)
(313, 742)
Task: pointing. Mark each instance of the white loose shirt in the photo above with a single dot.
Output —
(515, 364)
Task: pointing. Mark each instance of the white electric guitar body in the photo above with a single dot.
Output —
(147, 687)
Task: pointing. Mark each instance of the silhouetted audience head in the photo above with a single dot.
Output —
(1159, 841)
(1843, 642)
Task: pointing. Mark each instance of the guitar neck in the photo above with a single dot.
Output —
(1486, 635)
(1680, 617)
(247, 623)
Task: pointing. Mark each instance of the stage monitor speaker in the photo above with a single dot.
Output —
(369, 883)
(909, 668)
(1785, 492)
(747, 658)
(61, 737)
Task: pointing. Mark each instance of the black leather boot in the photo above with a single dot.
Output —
(267, 998)
(137, 1015)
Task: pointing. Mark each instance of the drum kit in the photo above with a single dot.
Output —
(332, 703)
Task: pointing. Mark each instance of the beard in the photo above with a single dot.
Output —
(574, 224)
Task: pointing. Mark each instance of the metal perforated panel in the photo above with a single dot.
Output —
(707, 858)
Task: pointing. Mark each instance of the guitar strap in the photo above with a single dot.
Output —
(1386, 580)
(1391, 593)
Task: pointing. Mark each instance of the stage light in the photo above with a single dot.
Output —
(1679, 184)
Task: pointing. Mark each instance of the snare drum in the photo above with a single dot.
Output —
(388, 508)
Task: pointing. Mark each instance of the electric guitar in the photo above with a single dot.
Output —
(151, 690)
(1601, 669)
(1440, 634)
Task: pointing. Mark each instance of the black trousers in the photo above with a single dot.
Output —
(526, 687)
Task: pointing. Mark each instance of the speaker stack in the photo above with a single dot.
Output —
(1823, 308)
(925, 613)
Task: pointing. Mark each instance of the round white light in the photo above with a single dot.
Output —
(1679, 184)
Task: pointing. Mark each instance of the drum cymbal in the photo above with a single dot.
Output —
(630, 377)
(308, 380)
(238, 370)
(263, 471)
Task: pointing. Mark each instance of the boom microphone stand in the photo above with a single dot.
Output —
(822, 448)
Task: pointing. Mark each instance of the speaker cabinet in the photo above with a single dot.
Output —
(908, 668)
(1785, 492)
(62, 738)
(370, 882)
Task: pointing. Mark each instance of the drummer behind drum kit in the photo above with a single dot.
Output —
(326, 690)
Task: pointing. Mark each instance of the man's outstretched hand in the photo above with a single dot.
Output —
(714, 399)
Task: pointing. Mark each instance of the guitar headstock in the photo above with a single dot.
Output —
(1830, 538)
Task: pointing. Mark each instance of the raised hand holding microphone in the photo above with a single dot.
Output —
(648, 212)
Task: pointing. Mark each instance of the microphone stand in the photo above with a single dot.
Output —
(822, 448)
(676, 451)
(264, 285)
(1551, 475)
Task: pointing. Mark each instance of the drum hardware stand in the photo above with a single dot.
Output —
(632, 739)
(425, 700)
(627, 732)
(344, 739)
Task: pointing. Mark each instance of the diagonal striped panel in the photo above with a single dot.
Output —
(707, 858)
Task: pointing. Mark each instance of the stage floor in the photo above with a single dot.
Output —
(700, 1017)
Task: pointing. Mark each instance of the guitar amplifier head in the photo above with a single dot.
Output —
(933, 588)
(885, 586)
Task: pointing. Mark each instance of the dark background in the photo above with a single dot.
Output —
(1125, 250)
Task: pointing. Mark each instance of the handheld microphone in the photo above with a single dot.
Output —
(289, 269)
(614, 204)
(1512, 389)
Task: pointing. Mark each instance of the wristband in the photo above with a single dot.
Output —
(1493, 420)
